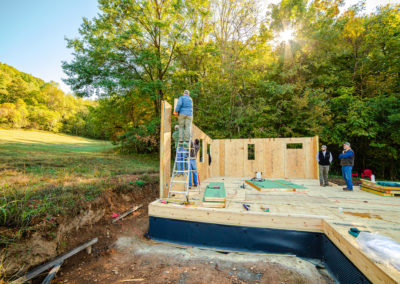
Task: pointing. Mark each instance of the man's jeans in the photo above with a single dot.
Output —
(185, 122)
(346, 172)
(323, 175)
(193, 171)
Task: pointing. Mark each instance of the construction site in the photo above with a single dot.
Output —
(256, 214)
(285, 211)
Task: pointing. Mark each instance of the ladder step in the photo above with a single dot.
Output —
(179, 181)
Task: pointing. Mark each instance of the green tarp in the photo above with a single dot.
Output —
(275, 184)
(218, 193)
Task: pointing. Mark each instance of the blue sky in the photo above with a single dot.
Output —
(32, 32)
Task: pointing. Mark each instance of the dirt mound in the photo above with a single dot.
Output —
(93, 220)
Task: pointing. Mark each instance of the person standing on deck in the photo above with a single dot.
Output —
(184, 110)
(324, 159)
(347, 163)
(193, 162)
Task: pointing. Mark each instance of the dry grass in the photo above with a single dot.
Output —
(44, 174)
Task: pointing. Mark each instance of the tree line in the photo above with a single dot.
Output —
(29, 102)
(337, 77)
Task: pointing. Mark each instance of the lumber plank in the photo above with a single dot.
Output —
(165, 148)
(236, 218)
(36, 271)
(379, 187)
(378, 192)
(127, 213)
(52, 273)
(213, 204)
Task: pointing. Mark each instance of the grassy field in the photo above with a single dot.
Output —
(43, 175)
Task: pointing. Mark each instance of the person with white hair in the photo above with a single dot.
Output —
(175, 136)
(347, 163)
(184, 110)
(324, 159)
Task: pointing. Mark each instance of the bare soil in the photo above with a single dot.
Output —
(124, 255)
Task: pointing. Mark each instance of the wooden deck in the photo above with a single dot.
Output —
(318, 209)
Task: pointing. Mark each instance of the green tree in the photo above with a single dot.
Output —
(130, 48)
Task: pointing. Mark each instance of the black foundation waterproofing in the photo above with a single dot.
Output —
(262, 240)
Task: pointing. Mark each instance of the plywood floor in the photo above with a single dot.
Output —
(301, 210)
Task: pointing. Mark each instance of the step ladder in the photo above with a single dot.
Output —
(181, 171)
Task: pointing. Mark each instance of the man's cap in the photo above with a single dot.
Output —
(186, 92)
(324, 146)
(176, 126)
(346, 143)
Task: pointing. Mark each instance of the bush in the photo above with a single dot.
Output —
(141, 139)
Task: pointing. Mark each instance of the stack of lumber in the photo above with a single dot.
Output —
(214, 195)
(383, 188)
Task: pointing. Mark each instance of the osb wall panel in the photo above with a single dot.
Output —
(165, 148)
(272, 158)
(203, 168)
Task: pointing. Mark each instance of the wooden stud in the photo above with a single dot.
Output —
(165, 148)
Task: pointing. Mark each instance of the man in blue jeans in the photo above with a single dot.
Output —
(193, 159)
(347, 163)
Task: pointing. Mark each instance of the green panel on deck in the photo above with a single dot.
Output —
(291, 184)
(275, 184)
(215, 192)
(268, 184)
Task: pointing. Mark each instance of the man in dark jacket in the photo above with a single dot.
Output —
(324, 158)
(347, 163)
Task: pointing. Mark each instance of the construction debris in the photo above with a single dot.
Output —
(54, 263)
(127, 213)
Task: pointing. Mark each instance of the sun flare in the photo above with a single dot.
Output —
(286, 35)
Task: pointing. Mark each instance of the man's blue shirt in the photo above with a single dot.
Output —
(348, 154)
(184, 105)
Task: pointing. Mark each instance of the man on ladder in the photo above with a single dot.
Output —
(184, 111)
